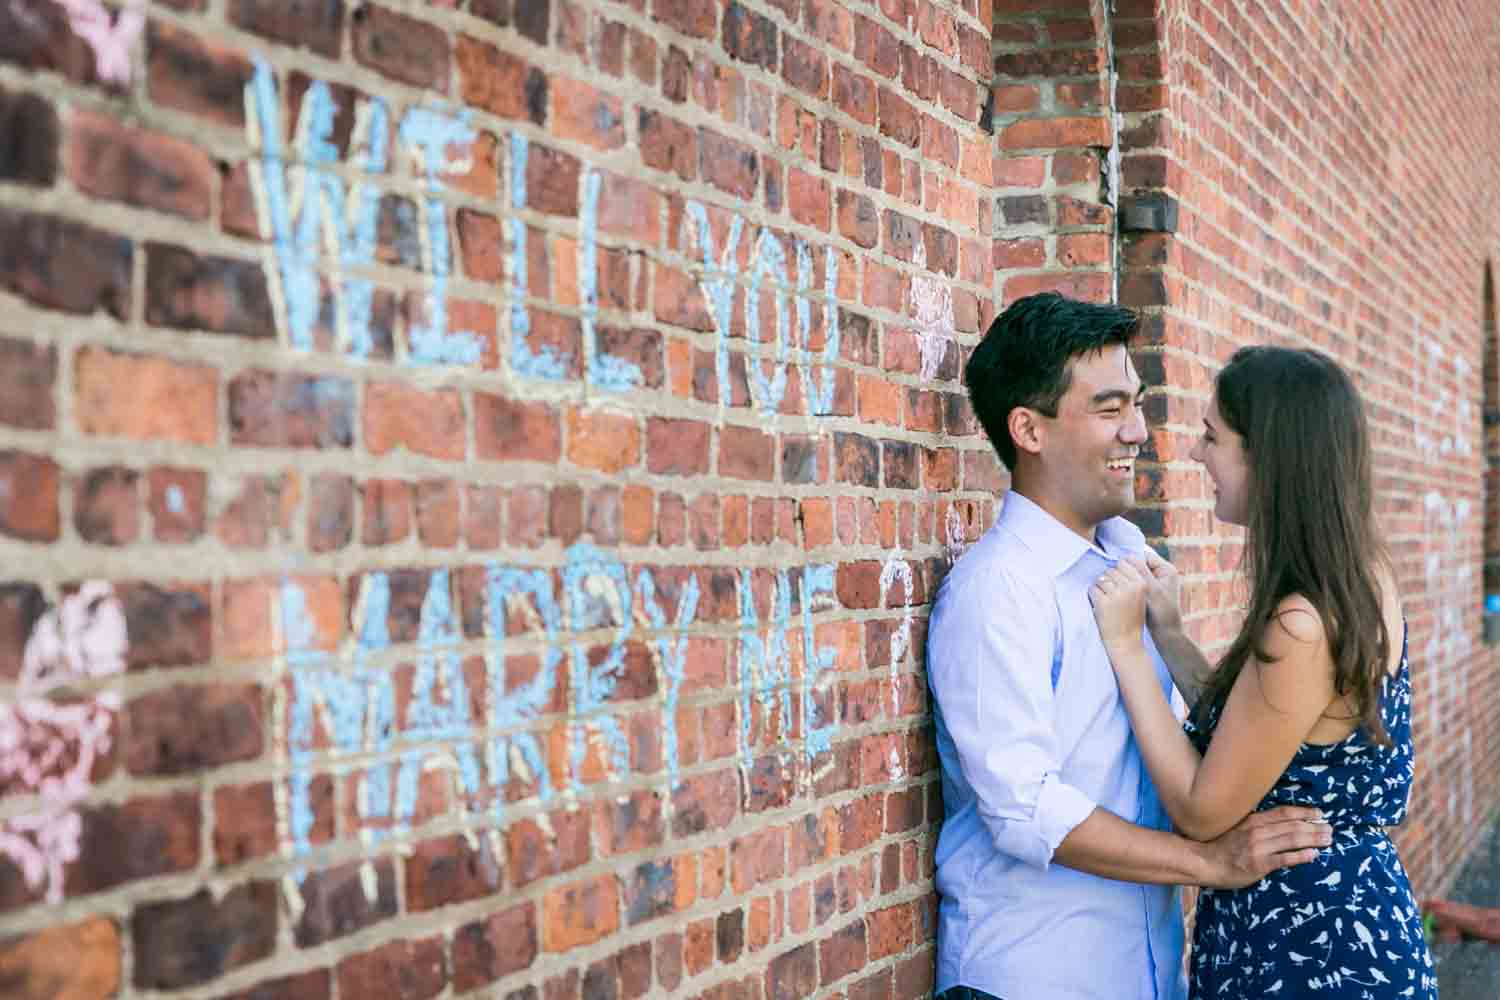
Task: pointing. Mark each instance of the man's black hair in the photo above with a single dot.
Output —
(1024, 358)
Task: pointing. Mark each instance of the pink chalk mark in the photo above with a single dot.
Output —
(48, 748)
(110, 38)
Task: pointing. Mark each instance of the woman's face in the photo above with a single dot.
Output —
(1222, 453)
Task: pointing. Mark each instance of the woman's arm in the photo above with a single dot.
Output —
(1190, 669)
(1272, 707)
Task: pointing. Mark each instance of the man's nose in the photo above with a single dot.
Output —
(1133, 431)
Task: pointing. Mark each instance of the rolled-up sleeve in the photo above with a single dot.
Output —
(990, 660)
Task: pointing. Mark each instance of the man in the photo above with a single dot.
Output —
(1056, 873)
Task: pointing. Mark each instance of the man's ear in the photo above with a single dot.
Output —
(1026, 429)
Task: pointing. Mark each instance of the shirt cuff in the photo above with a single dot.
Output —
(1059, 808)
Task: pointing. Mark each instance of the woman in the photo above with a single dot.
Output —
(1311, 705)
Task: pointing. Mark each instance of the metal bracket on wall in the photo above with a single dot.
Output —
(1153, 212)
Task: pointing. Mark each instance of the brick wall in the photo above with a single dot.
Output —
(472, 473)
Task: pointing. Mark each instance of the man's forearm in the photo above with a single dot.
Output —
(1106, 845)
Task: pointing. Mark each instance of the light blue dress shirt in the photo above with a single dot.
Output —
(1032, 736)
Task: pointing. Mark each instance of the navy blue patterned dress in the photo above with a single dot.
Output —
(1344, 926)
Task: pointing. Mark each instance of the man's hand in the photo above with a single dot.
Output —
(1163, 598)
(1263, 842)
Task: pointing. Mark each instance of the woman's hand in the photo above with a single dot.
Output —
(1163, 597)
(1119, 599)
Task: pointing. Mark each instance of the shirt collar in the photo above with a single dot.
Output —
(1058, 549)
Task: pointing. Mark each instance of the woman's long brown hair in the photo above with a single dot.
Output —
(1311, 522)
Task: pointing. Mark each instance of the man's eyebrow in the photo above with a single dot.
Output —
(1111, 395)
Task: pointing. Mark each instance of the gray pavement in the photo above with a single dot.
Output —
(1470, 970)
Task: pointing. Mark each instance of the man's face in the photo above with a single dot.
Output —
(1089, 449)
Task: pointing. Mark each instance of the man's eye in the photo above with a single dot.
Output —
(1111, 411)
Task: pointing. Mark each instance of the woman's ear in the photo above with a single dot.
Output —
(1026, 429)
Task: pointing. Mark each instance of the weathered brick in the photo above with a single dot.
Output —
(397, 415)
(142, 838)
(60, 264)
(586, 114)
(335, 904)
(314, 24)
(107, 507)
(403, 970)
(184, 942)
(192, 292)
(507, 430)
(601, 439)
(175, 500)
(28, 139)
(690, 17)
(403, 48)
(69, 960)
(108, 160)
(579, 914)
(203, 78)
(283, 410)
(29, 505)
(330, 512)
(728, 164)
(501, 944)
(21, 604)
(749, 36)
(746, 453)
(186, 728)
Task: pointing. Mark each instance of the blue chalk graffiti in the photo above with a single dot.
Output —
(605, 370)
(358, 706)
(765, 662)
(671, 654)
(816, 580)
(441, 716)
(548, 363)
(769, 258)
(504, 586)
(721, 272)
(308, 207)
(592, 608)
(719, 275)
(429, 134)
(314, 204)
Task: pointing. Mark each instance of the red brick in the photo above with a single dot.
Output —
(585, 114)
(690, 17)
(728, 164)
(107, 506)
(189, 728)
(108, 160)
(60, 264)
(793, 974)
(500, 82)
(496, 946)
(483, 507)
(286, 410)
(185, 72)
(602, 440)
(139, 839)
(387, 511)
(403, 48)
(29, 504)
(184, 942)
(513, 430)
(677, 447)
(402, 970)
(397, 415)
(579, 914)
(749, 36)
(1056, 133)
(314, 24)
(330, 513)
(314, 985)
(668, 144)
(190, 292)
(335, 904)
(72, 960)
(28, 139)
(746, 453)
(175, 499)
(438, 513)
(804, 66)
